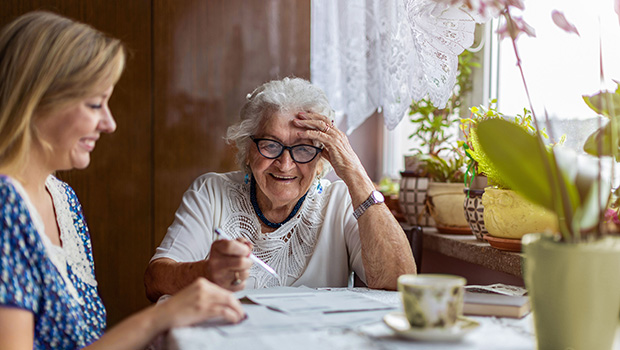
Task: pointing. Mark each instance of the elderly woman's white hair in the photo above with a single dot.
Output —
(289, 95)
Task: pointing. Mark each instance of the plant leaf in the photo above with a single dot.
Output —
(599, 103)
(516, 155)
(601, 138)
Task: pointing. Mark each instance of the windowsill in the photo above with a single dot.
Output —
(467, 248)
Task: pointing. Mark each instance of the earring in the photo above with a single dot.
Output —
(246, 179)
(319, 187)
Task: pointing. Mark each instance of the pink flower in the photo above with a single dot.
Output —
(612, 214)
(513, 27)
(563, 23)
(486, 8)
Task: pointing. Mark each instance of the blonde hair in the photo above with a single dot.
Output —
(48, 62)
(286, 95)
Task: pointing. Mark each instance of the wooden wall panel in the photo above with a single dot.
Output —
(208, 55)
(116, 189)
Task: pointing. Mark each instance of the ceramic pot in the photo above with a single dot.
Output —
(509, 215)
(445, 204)
(412, 199)
(574, 289)
(474, 212)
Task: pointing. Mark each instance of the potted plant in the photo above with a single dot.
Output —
(508, 215)
(445, 196)
(571, 275)
(436, 159)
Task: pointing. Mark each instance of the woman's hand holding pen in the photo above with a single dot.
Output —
(229, 264)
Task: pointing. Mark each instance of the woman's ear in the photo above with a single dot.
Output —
(319, 169)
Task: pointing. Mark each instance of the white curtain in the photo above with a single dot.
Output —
(370, 55)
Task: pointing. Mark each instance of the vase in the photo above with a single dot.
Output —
(574, 290)
(474, 209)
(508, 215)
(445, 204)
(412, 199)
(474, 213)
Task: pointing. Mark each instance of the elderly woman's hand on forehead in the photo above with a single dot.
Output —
(338, 150)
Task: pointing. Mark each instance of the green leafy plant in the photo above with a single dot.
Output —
(478, 162)
(388, 186)
(600, 142)
(547, 176)
(606, 142)
(438, 152)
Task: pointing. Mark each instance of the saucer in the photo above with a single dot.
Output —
(398, 322)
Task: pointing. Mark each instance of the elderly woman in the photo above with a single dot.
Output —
(313, 232)
(56, 77)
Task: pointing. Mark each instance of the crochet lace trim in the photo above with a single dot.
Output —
(72, 243)
(285, 249)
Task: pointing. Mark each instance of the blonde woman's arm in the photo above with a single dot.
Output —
(200, 301)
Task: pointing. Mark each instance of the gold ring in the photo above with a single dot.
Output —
(327, 127)
(237, 280)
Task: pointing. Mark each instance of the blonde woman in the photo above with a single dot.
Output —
(56, 77)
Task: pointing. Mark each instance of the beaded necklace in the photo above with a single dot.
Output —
(262, 217)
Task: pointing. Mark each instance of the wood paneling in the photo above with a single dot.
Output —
(192, 63)
(208, 55)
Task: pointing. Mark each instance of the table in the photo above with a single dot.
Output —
(354, 330)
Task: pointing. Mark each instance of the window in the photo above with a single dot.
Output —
(559, 68)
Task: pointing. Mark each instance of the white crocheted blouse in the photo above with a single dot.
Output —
(318, 247)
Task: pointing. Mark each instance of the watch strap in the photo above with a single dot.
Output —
(375, 198)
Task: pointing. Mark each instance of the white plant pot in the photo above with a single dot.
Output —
(445, 204)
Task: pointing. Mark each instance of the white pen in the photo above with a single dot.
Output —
(253, 257)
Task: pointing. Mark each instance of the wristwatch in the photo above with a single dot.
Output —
(375, 197)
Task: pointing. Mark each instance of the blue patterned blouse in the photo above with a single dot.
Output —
(64, 318)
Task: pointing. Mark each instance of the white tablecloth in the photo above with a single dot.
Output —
(354, 331)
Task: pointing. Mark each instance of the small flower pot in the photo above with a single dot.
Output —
(412, 199)
(508, 215)
(474, 213)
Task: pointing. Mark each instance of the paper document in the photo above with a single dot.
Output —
(318, 302)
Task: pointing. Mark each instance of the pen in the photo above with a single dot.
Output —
(253, 257)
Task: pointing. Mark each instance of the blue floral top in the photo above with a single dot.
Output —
(59, 289)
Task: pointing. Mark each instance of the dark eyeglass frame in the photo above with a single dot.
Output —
(289, 148)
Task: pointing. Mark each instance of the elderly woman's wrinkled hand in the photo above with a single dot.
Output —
(338, 150)
(229, 264)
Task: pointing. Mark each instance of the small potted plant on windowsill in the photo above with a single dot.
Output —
(496, 210)
(435, 158)
(445, 195)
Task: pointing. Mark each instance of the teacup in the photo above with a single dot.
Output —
(432, 300)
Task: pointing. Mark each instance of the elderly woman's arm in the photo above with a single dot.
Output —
(386, 253)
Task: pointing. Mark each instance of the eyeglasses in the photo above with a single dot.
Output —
(272, 149)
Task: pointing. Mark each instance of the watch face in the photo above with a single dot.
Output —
(378, 196)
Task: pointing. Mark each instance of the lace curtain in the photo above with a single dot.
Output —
(370, 55)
